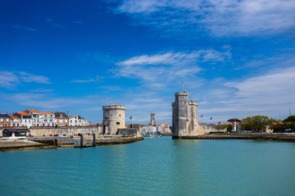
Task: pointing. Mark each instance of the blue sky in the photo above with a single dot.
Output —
(236, 58)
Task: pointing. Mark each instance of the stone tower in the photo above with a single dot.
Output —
(153, 120)
(114, 118)
(184, 116)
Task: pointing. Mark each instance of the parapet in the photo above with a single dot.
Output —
(184, 93)
(192, 102)
(114, 107)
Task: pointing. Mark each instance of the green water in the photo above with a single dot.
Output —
(158, 166)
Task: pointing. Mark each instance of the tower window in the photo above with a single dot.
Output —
(117, 123)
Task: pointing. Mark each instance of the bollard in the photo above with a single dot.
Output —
(94, 140)
(81, 140)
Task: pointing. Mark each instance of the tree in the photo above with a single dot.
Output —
(276, 125)
(289, 123)
(234, 120)
(255, 123)
(221, 126)
(289, 119)
(229, 128)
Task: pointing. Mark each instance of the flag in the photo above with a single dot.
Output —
(201, 115)
(210, 118)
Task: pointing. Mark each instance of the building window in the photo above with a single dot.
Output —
(117, 123)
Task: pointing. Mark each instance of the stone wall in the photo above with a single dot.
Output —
(61, 131)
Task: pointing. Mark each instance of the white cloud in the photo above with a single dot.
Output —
(11, 79)
(78, 22)
(8, 79)
(270, 94)
(219, 17)
(164, 69)
(143, 103)
(166, 58)
(23, 28)
(276, 87)
(26, 77)
(90, 80)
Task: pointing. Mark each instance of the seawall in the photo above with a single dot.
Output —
(66, 131)
(242, 136)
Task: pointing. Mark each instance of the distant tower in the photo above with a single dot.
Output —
(184, 116)
(153, 120)
(114, 118)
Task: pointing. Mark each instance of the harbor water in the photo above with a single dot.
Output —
(155, 166)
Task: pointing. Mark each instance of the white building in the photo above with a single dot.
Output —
(19, 119)
(47, 119)
(41, 118)
(77, 120)
(36, 117)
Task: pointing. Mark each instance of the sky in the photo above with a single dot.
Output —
(235, 58)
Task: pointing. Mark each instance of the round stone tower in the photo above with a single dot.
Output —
(114, 118)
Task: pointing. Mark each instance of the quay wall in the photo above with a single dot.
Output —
(60, 131)
(241, 136)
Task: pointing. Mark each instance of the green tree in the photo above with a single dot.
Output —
(221, 126)
(289, 123)
(255, 123)
(229, 128)
(276, 125)
(290, 119)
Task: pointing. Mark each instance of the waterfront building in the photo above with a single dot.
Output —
(113, 118)
(148, 130)
(14, 133)
(15, 121)
(4, 120)
(36, 117)
(47, 119)
(164, 128)
(21, 119)
(41, 118)
(61, 119)
(77, 120)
